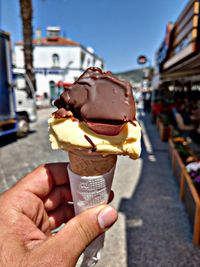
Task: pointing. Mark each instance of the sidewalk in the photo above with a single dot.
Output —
(157, 227)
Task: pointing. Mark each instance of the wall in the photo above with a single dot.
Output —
(70, 66)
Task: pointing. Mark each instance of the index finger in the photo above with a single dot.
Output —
(41, 181)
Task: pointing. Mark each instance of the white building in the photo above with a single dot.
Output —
(56, 58)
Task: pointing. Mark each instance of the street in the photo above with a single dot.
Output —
(18, 157)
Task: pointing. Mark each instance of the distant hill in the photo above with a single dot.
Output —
(135, 75)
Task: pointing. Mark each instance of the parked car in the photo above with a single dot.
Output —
(24, 100)
(17, 95)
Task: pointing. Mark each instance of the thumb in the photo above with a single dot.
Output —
(80, 231)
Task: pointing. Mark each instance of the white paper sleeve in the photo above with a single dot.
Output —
(87, 192)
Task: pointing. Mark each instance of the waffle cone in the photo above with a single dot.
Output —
(91, 165)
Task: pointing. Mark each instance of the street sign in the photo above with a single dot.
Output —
(142, 60)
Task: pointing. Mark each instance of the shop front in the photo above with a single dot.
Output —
(177, 80)
(176, 104)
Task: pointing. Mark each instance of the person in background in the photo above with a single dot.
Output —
(181, 120)
(36, 205)
(195, 113)
(139, 100)
(195, 117)
(147, 101)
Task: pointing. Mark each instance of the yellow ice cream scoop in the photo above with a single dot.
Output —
(69, 134)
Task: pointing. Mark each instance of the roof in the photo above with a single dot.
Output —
(52, 41)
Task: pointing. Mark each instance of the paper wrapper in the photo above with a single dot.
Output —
(90, 191)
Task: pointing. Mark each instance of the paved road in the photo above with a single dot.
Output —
(159, 233)
(18, 157)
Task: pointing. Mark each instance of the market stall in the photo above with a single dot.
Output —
(176, 105)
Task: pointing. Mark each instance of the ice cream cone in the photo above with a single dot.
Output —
(91, 165)
(90, 180)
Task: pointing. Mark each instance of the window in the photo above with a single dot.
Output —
(88, 62)
(56, 60)
(82, 57)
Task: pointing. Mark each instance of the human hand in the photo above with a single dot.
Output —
(36, 205)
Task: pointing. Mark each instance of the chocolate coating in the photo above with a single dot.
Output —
(98, 96)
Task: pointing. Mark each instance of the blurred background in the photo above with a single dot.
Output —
(46, 45)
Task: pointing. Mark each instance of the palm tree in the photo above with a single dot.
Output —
(26, 11)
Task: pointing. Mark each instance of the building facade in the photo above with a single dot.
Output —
(178, 57)
(55, 59)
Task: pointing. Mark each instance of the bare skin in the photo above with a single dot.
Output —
(36, 205)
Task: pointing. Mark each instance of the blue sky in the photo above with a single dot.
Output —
(118, 30)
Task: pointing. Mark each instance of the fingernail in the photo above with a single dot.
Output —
(107, 217)
(51, 219)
